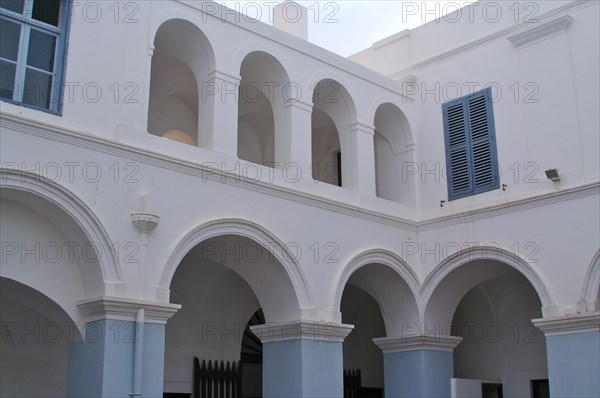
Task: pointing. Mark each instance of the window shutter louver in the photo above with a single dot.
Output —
(470, 145)
(457, 149)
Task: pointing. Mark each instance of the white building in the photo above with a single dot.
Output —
(171, 171)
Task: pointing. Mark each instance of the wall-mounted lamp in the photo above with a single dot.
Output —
(552, 175)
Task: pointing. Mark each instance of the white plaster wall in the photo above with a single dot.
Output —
(325, 250)
(537, 88)
(553, 227)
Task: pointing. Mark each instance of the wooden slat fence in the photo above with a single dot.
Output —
(351, 383)
(217, 380)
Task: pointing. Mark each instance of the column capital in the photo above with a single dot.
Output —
(417, 343)
(569, 324)
(302, 330)
(363, 127)
(299, 104)
(226, 76)
(124, 309)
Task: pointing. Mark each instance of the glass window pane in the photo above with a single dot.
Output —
(38, 88)
(7, 79)
(47, 11)
(41, 50)
(9, 39)
(13, 5)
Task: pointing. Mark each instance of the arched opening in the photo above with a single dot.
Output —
(332, 117)
(362, 310)
(252, 357)
(326, 152)
(34, 349)
(262, 115)
(394, 154)
(490, 305)
(378, 302)
(181, 63)
(225, 284)
(46, 249)
(590, 295)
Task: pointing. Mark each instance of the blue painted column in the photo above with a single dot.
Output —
(417, 366)
(103, 365)
(573, 347)
(303, 359)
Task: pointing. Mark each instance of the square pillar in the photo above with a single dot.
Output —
(122, 353)
(303, 359)
(297, 153)
(363, 158)
(573, 347)
(221, 97)
(418, 366)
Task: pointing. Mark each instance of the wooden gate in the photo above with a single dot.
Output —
(351, 383)
(216, 380)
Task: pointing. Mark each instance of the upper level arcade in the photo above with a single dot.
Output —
(196, 82)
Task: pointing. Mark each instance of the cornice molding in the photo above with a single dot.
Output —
(541, 32)
(296, 44)
(124, 309)
(327, 332)
(141, 155)
(511, 30)
(417, 343)
(513, 206)
(569, 324)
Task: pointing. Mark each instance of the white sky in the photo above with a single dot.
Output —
(348, 26)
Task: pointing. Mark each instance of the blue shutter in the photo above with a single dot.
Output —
(471, 157)
(458, 154)
(483, 141)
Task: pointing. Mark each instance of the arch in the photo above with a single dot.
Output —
(263, 48)
(78, 212)
(400, 105)
(384, 272)
(182, 61)
(31, 297)
(337, 77)
(496, 257)
(37, 333)
(344, 93)
(245, 229)
(170, 15)
(393, 150)
(590, 294)
(376, 256)
(397, 130)
(263, 119)
(332, 99)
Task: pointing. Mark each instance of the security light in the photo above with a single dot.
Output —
(552, 174)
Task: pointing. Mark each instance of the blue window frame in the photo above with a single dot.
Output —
(33, 36)
(470, 137)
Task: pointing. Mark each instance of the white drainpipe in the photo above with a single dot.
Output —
(138, 355)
